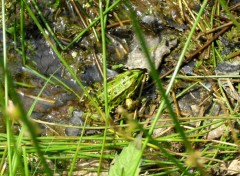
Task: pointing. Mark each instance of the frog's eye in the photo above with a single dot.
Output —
(115, 92)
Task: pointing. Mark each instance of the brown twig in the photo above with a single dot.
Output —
(215, 29)
(84, 23)
(178, 111)
(232, 55)
(207, 43)
(119, 21)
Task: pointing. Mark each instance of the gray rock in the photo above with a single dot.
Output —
(76, 120)
(228, 68)
(157, 49)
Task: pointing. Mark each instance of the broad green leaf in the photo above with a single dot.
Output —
(124, 164)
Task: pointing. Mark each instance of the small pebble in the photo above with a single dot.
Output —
(76, 120)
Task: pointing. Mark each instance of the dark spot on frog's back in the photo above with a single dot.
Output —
(115, 92)
(124, 81)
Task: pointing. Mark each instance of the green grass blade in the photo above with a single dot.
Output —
(78, 148)
(22, 31)
(103, 20)
(23, 117)
(6, 89)
(26, 169)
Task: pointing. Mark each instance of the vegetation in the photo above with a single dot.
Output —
(179, 119)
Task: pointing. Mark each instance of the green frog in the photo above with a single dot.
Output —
(124, 85)
(121, 87)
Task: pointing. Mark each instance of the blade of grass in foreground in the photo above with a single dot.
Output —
(103, 20)
(23, 117)
(6, 90)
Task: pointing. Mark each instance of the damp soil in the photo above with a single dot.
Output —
(64, 102)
